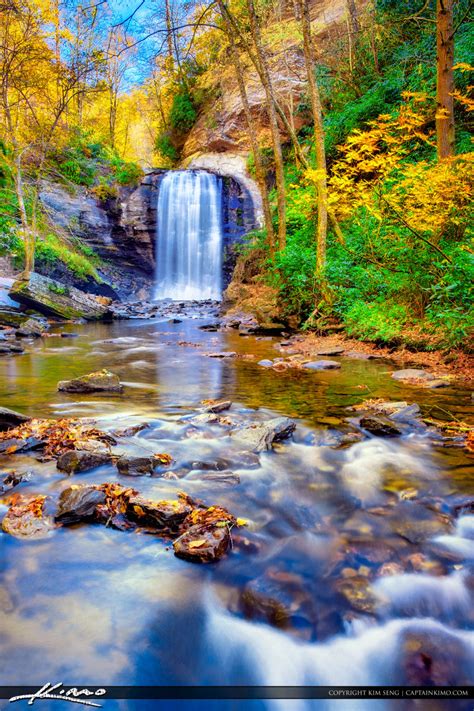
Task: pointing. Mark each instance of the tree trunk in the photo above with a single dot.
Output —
(445, 79)
(169, 30)
(272, 117)
(259, 168)
(316, 109)
(29, 236)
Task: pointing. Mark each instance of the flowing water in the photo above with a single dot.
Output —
(189, 236)
(92, 605)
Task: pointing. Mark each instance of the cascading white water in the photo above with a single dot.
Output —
(189, 237)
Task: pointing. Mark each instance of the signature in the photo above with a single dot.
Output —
(54, 691)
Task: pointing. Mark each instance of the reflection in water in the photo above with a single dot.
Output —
(99, 606)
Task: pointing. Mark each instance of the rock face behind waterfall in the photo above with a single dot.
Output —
(52, 298)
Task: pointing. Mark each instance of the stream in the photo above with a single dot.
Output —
(351, 569)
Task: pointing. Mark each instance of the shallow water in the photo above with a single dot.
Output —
(91, 605)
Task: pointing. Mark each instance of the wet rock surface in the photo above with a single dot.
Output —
(380, 426)
(26, 519)
(260, 437)
(52, 298)
(100, 381)
(75, 461)
(78, 503)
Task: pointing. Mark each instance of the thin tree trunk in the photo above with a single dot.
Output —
(316, 108)
(272, 116)
(259, 168)
(445, 79)
(169, 30)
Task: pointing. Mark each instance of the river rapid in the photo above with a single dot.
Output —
(351, 570)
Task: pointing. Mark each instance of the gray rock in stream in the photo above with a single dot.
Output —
(322, 365)
(258, 438)
(410, 374)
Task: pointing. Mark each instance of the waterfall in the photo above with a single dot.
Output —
(189, 237)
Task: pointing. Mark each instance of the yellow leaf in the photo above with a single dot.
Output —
(197, 544)
(242, 522)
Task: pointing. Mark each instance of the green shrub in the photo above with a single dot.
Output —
(165, 147)
(183, 113)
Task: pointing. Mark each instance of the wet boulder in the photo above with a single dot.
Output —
(10, 418)
(130, 431)
(212, 327)
(100, 381)
(16, 445)
(53, 298)
(322, 365)
(380, 426)
(219, 406)
(260, 437)
(136, 466)
(168, 515)
(200, 544)
(78, 503)
(143, 465)
(26, 519)
(31, 329)
(10, 480)
(265, 363)
(10, 348)
(74, 461)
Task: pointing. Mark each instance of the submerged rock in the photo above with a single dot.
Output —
(432, 657)
(281, 599)
(100, 381)
(26, 519)
(265, 363)
(219, 477)
(77, 503)
(74, 461)
(322, 365)
(412, 374)
(260, 437)
(358, 593)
